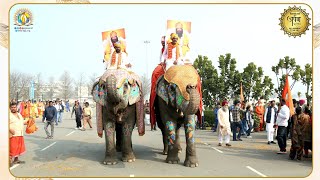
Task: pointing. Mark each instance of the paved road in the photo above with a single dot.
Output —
(75, 153)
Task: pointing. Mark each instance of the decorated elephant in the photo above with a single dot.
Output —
(119, 99)
(178, 100)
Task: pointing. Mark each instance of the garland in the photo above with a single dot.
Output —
(170, 47)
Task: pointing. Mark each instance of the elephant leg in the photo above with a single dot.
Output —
(110, 155)
(164, 136)
(127, 128)
(172, 156)
(118, 137)
(191, 157)
(178, 138)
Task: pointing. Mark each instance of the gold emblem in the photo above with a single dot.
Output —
(294, 21)
(23, 17)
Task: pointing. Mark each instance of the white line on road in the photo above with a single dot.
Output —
(256, 171)
(14, 166)
(131, 175)
(48, 146)
(217, 149)
(70, 133)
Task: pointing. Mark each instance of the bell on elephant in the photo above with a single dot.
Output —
(119, 109)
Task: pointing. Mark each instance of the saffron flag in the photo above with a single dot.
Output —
(241, 94)
(286, 95)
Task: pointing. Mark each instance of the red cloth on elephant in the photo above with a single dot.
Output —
(158, 72)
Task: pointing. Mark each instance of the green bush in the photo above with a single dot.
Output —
(209, 117)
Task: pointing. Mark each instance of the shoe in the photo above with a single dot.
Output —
(219, 144)
(48, 137)
(269, 142)
(249, 137)
(239, 139)
(18, 162)
(51, 137)
(272, 142)
(82, 129)
(235, 140)
(76, 128)
(56, 124)
(228, 144)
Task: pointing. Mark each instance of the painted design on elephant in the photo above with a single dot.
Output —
(127, 130)
(162, 92)
(180, 100)
(189, 130)
(172, 133)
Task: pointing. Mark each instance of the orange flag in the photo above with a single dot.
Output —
(286, 94)
(241, 93)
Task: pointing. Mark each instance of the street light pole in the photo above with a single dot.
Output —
(147, 42)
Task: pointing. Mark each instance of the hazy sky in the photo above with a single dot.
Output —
(69, 37)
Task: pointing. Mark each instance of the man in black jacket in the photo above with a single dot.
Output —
(50, 114)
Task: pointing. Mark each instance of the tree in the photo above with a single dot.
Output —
(38, 86)
(52, 87)
(228, 82)
(19, 85)
(286, 66)
(306, 77)
(251, 78)
(92, 80)
(146, 86)
(267, 87)
(209, 78)
(79, 85)
(14, 84)
(66, 84)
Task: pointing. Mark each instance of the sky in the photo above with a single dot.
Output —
(68, 38)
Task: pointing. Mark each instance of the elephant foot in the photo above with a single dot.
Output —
(191, 162)
(110, 161)
(173, 160)
(128, 158)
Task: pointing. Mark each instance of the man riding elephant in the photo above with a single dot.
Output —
(119, 98)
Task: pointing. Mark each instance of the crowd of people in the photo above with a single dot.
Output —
(276, 119)
(51, 114)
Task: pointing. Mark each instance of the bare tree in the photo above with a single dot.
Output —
(39, 86)
(66, 81)
(91, 81)
(52, 86)
(14, 84)
(146, 86)
(79, 84)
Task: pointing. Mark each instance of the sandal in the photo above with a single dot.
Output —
(18, 162)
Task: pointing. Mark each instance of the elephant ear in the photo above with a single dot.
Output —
(134, 94)
(162, 89)
(99, 93)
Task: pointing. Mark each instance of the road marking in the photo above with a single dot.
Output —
(217, 149)
(256, 171)
(14, 166)
(48, 146)
(70, 133)
(131, 175)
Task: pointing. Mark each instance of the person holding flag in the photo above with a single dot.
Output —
(285, 111)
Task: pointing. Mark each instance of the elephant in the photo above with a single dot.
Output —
(118, 94)
(177, 101)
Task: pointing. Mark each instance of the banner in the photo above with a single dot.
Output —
(110, 37)
(183, 30)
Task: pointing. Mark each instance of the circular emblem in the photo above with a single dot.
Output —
(23, 17)
(294, 21)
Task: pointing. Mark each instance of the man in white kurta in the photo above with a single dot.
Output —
(224, 129)
(270, 118)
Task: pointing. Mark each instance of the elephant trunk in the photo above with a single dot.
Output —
(194, 101)
(112, 94)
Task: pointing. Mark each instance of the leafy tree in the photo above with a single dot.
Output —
(228, 82)
(306, 77)
(286, 66)
(251, 80)
(209, 78)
